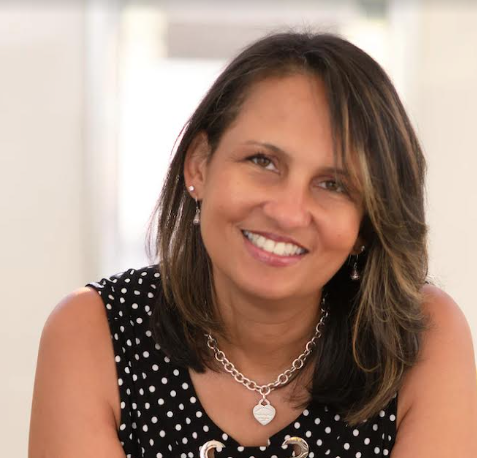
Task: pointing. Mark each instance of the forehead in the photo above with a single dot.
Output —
(290, 112)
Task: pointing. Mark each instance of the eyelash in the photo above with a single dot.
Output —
(261, 156)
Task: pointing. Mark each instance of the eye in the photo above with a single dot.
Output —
(262, 161)
(333, 185)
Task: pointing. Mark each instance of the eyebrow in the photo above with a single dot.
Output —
(282, 152)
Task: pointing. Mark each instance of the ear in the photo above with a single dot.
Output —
(195, 165)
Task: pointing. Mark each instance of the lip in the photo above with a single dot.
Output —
(277, 238)
(273, 260)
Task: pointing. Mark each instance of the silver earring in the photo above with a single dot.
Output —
(355, 276)
(196, 219)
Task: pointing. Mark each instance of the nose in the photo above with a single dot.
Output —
(288, 206)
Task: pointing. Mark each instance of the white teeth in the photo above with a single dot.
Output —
(279, 248)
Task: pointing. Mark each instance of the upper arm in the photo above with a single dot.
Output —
(441, 389)
(75, 384)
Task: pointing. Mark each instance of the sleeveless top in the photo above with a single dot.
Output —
(162, 416)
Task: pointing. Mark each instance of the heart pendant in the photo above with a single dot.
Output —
(264, 414)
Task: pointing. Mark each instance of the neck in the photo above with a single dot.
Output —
(264, 337)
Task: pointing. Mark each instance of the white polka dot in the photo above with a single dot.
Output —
(160, 401)
(155, 367)
(152, 389)
(296, 425)
(346, 446)
(169, 414)
(164, 380)
(337, 417)
(376, 450)
(185, 386)
(392, 417)
(162, 433)
(327, 430)
(317, 421)
(367, 441)
(178, 427)
(355, 432)
(308, 434)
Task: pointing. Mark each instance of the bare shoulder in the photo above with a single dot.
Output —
(75, 392)
(437, 412)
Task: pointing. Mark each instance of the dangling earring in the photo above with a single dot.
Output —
(196, 219)
(355, 276)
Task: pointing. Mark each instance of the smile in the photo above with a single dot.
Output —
(271, 246)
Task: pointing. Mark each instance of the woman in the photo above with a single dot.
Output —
(288, 304)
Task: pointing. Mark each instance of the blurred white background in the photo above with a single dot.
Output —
(94, 93)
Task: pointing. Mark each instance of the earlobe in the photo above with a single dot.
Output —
(195, 165)
(359, 247)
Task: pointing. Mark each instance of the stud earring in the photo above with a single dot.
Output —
(355, 276)
(191, 188)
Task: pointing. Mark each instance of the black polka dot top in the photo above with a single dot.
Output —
(161, 414)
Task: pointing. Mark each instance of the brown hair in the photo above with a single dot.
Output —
(374, 328)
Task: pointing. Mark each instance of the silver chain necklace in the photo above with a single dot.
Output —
(264, 412)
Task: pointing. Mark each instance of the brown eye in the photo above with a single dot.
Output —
(332, 185)
(262, 161)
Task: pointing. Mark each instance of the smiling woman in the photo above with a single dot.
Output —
(287, 304)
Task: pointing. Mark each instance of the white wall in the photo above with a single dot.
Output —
(445, 110)
(41, 218)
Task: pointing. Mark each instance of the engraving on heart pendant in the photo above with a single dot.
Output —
(264, 414)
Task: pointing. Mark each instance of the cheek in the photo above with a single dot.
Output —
(342, 228)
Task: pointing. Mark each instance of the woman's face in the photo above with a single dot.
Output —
(274, 221)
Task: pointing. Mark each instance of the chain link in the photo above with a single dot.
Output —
(284, 377)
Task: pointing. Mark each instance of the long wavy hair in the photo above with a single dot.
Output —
(373, 332)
